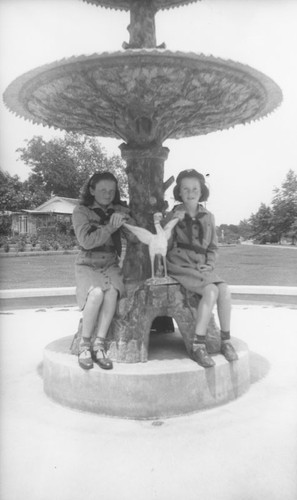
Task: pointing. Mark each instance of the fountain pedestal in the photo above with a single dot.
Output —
(129, 335)
(169, 384)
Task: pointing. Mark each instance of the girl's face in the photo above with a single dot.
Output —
(190, 190)
(104, 192)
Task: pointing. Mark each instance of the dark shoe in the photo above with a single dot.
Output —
(229, 352)
(99, 356)
(84, 356)
(201, 356)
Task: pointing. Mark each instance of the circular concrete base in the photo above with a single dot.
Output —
(169, 384)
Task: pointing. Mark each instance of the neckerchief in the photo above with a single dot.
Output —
(104, 219)
(189, 225)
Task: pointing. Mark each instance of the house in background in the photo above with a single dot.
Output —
(45, 216)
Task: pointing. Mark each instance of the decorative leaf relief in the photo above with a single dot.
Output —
(171, 96)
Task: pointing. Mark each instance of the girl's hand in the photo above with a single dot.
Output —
(205, 268)
(117, 220)
(179, 213)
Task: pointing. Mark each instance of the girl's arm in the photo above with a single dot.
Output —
(176, 213)
(88, 233)
(125, 232)
(212, 249)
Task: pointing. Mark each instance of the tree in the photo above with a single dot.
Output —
(262, 224)
(60, 166)
(245, 229)
(284, 207)
(228, 233)
(12, 195)
(292, 233)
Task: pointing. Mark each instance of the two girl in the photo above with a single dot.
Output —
(191, 258)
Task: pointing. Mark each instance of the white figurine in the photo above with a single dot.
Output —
(157, 243)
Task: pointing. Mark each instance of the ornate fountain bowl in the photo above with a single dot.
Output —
(126, 4)
(143, 96)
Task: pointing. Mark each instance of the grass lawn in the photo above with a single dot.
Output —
(258, 265)
(37, 271)
(238, 265)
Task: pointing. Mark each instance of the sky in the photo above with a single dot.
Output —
(245, 164)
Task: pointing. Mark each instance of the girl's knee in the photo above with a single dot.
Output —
(211, 291)
(95, 294)
(111, 294)
(224, 290)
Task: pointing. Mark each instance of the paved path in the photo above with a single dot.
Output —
(246, 450)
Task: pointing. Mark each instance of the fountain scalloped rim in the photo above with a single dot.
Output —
(170, 4)
(17, 89)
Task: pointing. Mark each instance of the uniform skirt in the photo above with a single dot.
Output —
(183, 265)
(96, 269)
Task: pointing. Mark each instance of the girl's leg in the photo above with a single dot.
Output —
(224, 306)
(106, 314)
(91, 310)
(206, 305)
(224, 313)
(90, 315)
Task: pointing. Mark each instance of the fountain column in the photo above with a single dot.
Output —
(142, 25)
(145, 171)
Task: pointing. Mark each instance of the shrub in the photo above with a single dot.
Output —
(5, 225)
(3, 240)
(21, 243)
(45, 245)
(13, 240)
(67, 242)
(4, 243)
(60, 235)
(33, 239)
(63, 227)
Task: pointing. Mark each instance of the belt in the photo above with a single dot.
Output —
(194, 248)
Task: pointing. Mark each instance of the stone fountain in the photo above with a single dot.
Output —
(143, 95)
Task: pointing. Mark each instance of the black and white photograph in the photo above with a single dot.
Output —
(148, 249)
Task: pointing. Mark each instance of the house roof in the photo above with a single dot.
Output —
(56, 204)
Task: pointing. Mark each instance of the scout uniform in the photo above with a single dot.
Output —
(97, 264)
(193, 242)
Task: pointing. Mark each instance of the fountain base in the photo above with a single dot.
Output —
(169, 384)
(129, 335)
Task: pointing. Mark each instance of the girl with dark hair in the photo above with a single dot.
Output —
(87, 199)
(191, 261)
(97, 221)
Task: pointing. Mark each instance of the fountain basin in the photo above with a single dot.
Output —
(143, 96)
(169, 384)
(126, 4)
